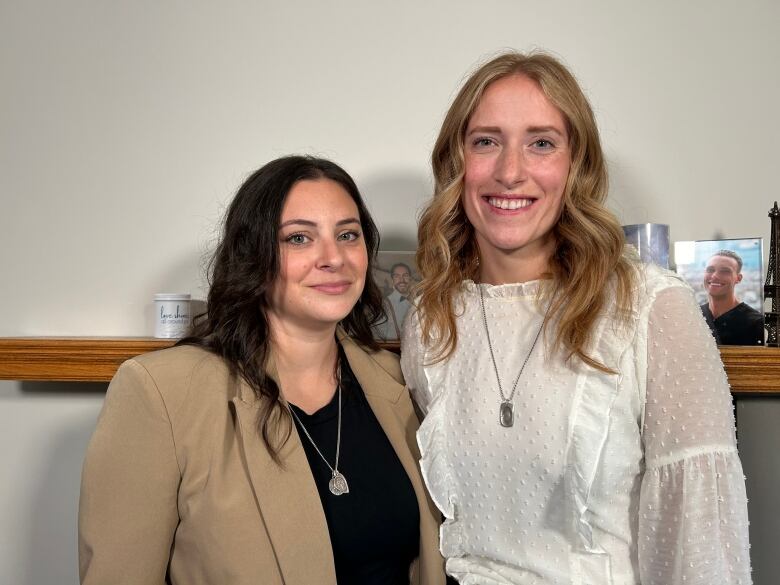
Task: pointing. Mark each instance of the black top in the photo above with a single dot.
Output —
(742, 325)
(375, 528)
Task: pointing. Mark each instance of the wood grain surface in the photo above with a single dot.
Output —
(751, 370)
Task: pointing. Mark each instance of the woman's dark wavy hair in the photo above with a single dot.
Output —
(241, 274)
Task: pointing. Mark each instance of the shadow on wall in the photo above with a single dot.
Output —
(51, 554)
(395, 200)
(633, 200)
(63, 388)
(757, 430)
(629, 198)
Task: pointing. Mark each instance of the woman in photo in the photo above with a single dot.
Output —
(578, 423)
(276, 445)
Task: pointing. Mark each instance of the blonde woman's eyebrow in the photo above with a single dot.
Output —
(484, 130)
(544, 130)
(529, 130)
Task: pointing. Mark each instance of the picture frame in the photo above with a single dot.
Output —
(395, 273)
(727, 279)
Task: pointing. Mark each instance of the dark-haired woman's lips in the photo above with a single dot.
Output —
(333, 288)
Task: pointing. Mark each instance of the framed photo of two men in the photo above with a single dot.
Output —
(727, 278)
(395, 273)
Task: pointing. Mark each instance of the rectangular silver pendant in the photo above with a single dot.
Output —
(506, 414)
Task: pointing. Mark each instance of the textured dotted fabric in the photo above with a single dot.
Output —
(603, 479)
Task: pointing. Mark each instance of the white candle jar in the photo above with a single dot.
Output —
(172, 315)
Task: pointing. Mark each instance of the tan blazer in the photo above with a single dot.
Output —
(178, 487)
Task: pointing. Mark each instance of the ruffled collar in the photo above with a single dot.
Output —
(504, 291)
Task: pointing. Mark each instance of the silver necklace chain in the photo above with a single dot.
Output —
(506, 416)
(338, 483)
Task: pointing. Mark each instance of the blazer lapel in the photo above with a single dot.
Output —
(286, 498)
(383, 394)
(397, 418)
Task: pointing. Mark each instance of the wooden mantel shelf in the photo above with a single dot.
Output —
(70, 359)
(751, 370)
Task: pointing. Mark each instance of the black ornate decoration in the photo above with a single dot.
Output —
(772, 285)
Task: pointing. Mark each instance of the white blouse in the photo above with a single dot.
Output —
(604, 479)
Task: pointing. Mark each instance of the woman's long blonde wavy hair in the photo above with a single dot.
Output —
(589, 240)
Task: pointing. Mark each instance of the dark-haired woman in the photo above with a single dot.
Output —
(276, 444)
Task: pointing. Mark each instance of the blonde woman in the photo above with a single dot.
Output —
(578, 421)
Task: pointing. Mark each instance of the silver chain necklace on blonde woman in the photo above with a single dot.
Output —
(338, 483)
(506, 410)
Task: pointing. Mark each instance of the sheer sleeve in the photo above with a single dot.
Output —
(693, 526)
(412, 359)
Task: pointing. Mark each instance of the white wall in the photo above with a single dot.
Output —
(125, 127)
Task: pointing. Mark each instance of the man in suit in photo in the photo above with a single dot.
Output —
(397, 302)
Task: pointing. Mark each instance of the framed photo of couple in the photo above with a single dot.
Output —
(395, 273)
(727, 279)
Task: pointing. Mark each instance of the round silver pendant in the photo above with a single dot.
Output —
(338, 484)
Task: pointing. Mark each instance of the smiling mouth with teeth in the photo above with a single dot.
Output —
(509, 204)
